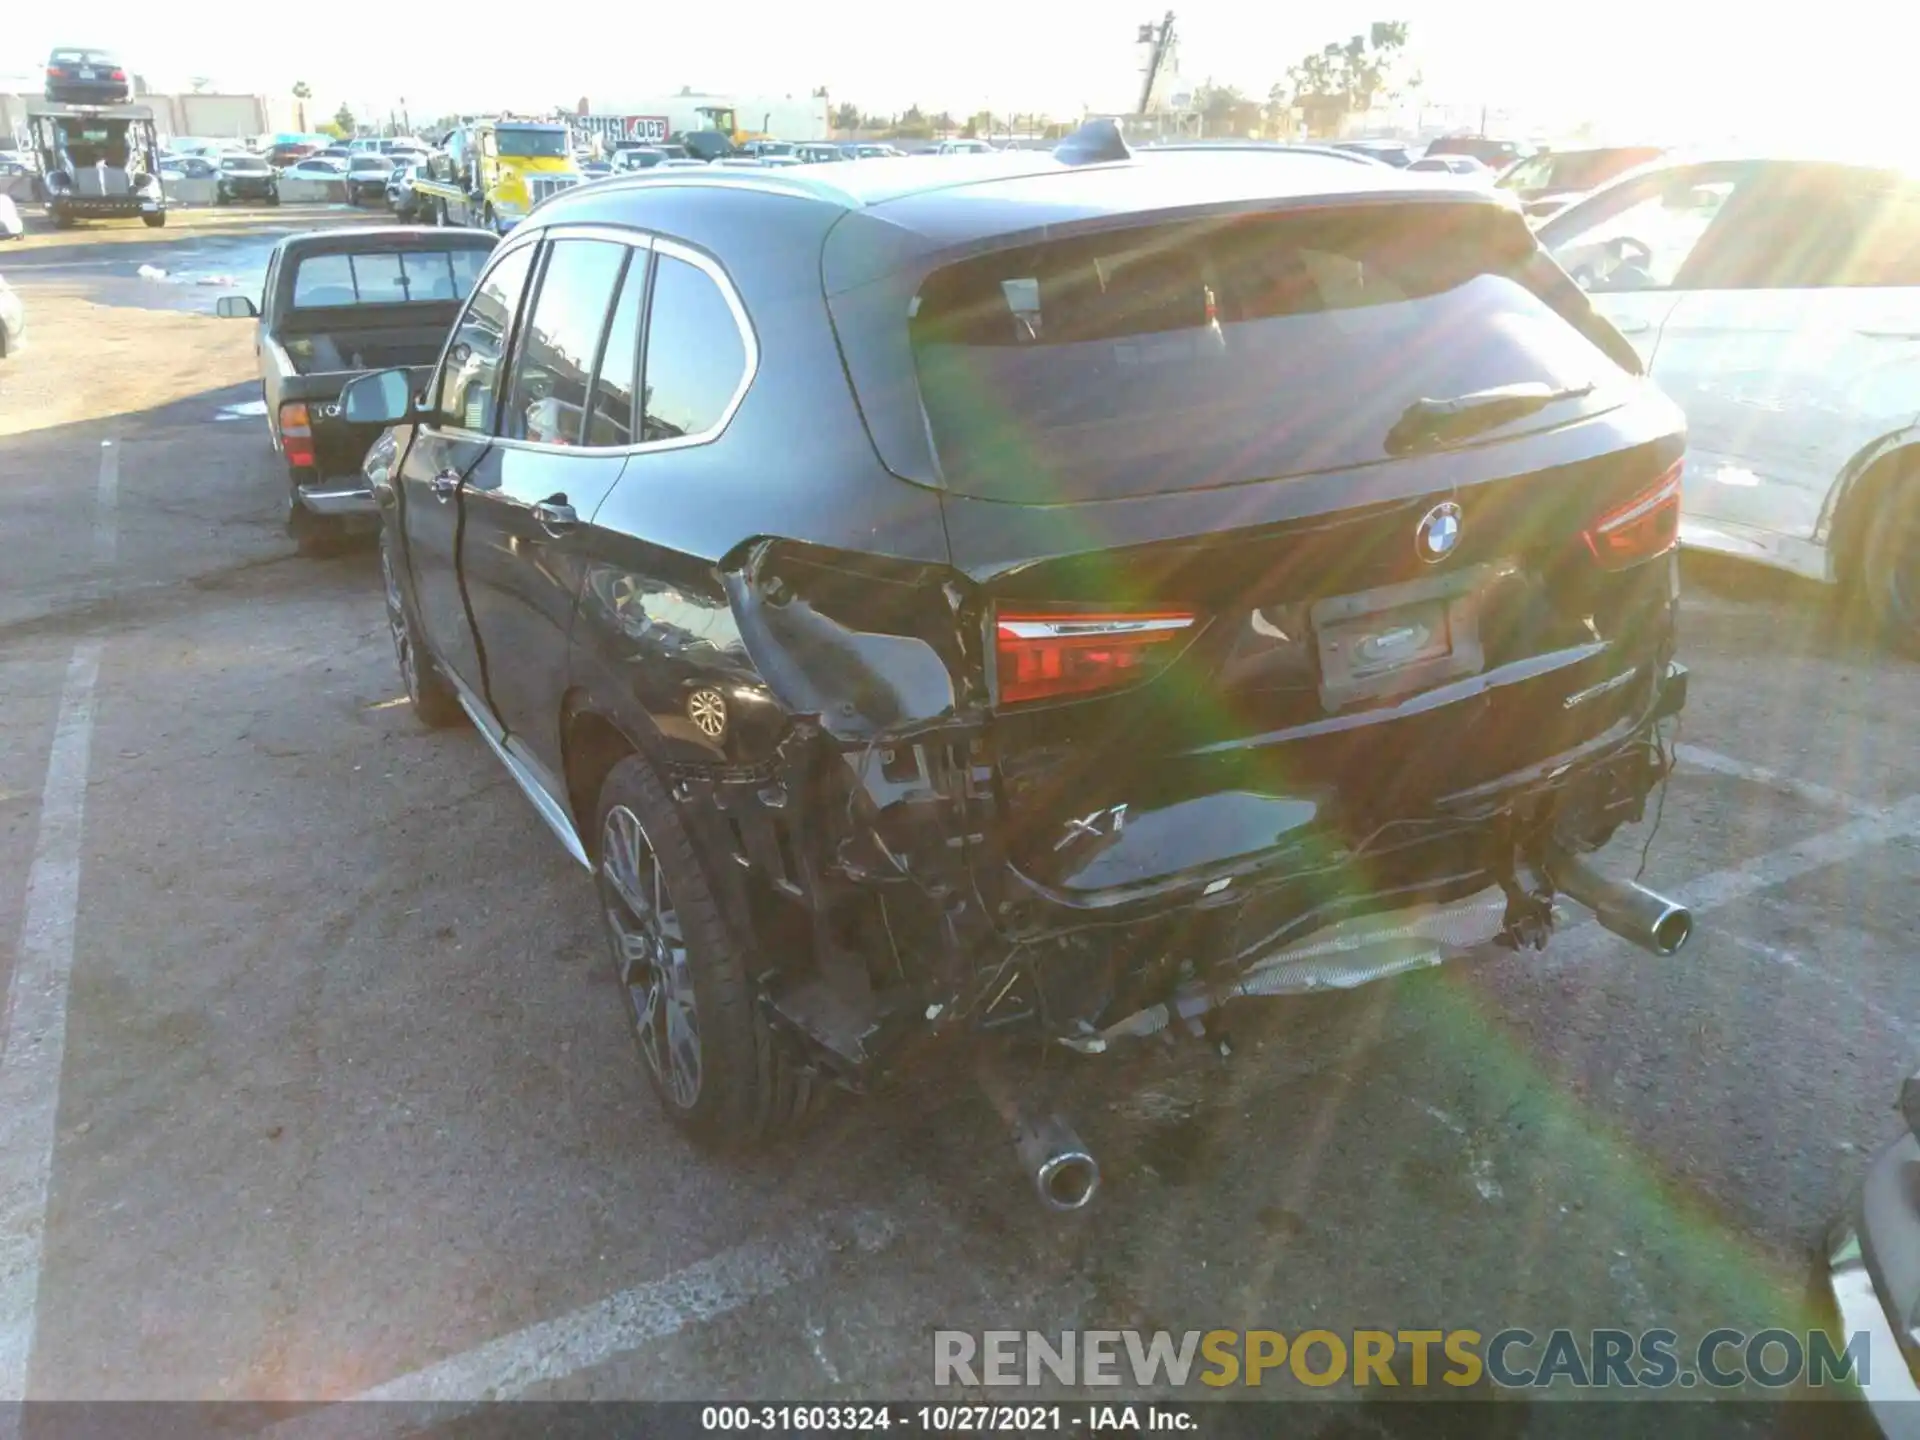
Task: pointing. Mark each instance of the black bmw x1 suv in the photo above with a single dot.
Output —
(1027, 595)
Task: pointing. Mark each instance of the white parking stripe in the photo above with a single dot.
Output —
(1699, 759)
(1787, 958)
(34, 1037)
(512, 1366)
(1706, 893)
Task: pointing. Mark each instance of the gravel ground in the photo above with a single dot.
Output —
(346, 1099)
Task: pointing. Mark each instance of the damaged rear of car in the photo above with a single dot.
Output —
(1310, 559)
(1085, 583)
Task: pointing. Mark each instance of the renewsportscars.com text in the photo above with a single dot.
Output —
(1512, 1359)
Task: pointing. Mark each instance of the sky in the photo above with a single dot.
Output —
(1635, 65)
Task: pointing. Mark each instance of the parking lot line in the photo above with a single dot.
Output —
(1702, 759)
(1720, 888)
(33, 1041)
(513, 1365)
(1781, 956)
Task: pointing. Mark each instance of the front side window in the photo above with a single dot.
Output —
(696, 356)
(1644, 234)
(467, 374)
(561, 340)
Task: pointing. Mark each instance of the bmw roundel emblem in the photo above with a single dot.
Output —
(1438, 534)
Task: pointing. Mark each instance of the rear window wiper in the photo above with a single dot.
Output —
(1436, 422)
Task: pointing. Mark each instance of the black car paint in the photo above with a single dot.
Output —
(837, 597)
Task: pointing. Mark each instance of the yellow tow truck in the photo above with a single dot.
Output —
(493, 172)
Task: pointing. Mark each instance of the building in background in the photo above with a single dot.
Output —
(212, 117)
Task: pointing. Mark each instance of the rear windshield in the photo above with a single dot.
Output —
(386, 277)
(1180, 357)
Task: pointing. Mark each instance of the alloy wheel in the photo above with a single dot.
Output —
(650, 949)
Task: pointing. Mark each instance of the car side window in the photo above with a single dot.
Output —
(560, 341)
(610, 421)
(1886, 235)
(1797, 228)
(697, 357)
(472, 362)
(1649, 231)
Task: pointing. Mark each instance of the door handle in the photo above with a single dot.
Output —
(1891, 334)
(444, 484)
(555, 514)
(1633, 327)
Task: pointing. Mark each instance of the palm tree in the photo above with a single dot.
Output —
(302, 92)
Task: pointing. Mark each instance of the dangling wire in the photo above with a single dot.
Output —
(1670, 755)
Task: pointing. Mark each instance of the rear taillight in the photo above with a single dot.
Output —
(1641, 528)
(296, 434)
(1052, 655)
(116, 75)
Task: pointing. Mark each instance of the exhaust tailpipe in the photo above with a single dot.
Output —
(1633, 912)
(1064, 1171)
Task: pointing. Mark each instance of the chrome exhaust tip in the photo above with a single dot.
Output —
(1633, 912)
(1065, 1174)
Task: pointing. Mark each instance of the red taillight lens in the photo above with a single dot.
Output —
(116, 75)
(1643, 527)
(1050, 655)
(296, 434)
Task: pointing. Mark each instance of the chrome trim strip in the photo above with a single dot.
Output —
(1580, 697)
(1063, 628)
(544, 804)
(338, 500)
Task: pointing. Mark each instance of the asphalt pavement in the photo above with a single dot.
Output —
(318, 1085)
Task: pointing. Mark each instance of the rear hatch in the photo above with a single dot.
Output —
(1289, 523)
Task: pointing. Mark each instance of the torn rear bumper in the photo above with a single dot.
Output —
(915, 915)
(1316, 875)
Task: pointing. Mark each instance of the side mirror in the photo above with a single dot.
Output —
(382, 398)
(236, 307)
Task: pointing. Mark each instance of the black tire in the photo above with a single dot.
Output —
(429, 696)
(154, 220)
(1889, 579)
(747, 1088)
